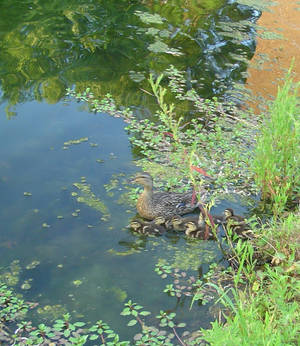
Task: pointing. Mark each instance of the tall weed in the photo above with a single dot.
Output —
(277, 155)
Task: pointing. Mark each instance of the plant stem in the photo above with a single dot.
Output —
(178, 337)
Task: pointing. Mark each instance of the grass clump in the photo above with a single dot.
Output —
(268, 316)
(263, 303)
(277, 155)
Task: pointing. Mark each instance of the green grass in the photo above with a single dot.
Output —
(266, 310)
(277, 155)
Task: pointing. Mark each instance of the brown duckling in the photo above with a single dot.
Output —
(230, 215)
(137, 225)
(237, 224)
(151, 204)
(198, 229)
(155, 227)
(178, 222)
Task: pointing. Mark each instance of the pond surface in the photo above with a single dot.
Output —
(79, 256)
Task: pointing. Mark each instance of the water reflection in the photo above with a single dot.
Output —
(112, 46)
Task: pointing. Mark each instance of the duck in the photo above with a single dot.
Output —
(178, 223)
(193, 230)
(154, 227)
(230, 215)
(237, 224)
(198, 229)
(151, 204)
(137, 225)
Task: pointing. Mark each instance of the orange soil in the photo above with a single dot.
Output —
(283, 19)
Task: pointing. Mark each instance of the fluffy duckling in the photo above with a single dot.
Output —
(178, 222)
(237, 224)
(230, 215)
(147, 228)
(137, 226)
(198, 229)
(156, 226)
(151, 204)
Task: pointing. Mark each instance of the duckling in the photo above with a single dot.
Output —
(229, 215)
(198, 232)
(178, 222)
(151, 204)
(237, 224)
(137, 225)
(198, 229)
(155, 227)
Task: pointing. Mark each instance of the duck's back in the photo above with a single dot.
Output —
(165, 204)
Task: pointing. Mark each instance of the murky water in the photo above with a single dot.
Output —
(79, 256)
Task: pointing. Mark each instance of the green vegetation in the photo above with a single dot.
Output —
(277, 154)
(89, 198)
(265, 310)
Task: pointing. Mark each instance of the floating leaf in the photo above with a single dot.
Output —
(131, 323)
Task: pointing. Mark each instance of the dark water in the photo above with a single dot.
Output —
(88, 261)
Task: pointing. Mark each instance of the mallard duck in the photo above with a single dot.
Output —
(230, 215)
(137, 225)
(194, 230)
(151, 204)
(237, 224)
(178, 222)
(154, 227)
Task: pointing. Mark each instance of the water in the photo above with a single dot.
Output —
(80, 257)
(87, 266)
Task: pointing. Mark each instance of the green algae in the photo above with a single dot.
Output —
(51, 312)
(32, 265)
(11, 276)
(75, 141)
(123, 253)
(192, 257)
(89, 198)
(119, 294)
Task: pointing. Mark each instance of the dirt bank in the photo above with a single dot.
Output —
(273, 56)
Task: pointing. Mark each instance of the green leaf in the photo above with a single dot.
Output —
(125, 312)
(131, 323)
(181, 325)
(79, 324)
(145, 313)
(171, 324)
(67, 333)
(93, 329)
(93, 337)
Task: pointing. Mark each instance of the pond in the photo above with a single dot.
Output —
(64, 171)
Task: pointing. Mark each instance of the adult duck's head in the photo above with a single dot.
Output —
(143, 178)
